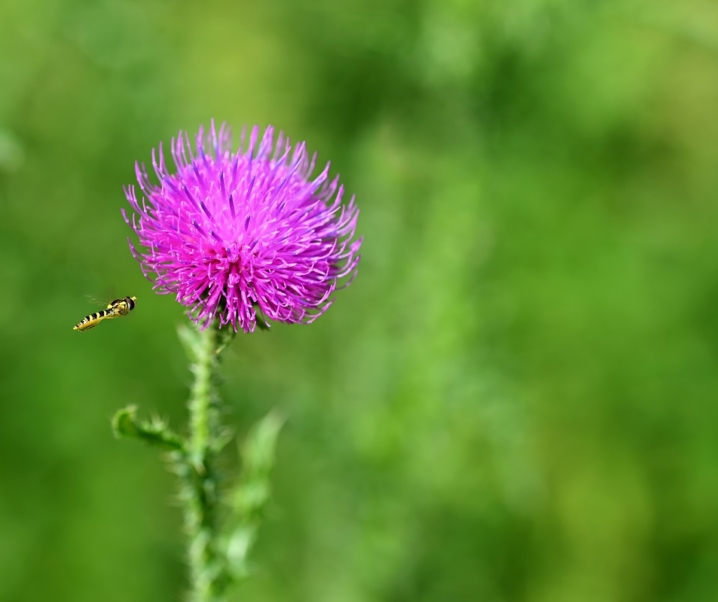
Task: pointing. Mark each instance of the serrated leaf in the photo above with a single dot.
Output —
(156, 433)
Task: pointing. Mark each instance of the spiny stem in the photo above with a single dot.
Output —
(204, 413)
(199, 474)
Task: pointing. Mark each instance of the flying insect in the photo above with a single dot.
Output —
(115, 309)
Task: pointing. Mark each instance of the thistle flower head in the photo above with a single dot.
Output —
(233, 233)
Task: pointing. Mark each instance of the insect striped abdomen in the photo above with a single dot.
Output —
(91, 321)
(116, 309)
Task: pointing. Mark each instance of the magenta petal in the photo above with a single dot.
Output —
(231, 231)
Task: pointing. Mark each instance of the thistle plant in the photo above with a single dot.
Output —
(241, 239)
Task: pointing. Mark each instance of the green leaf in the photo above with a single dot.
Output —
(259, 448)
(190, 339)
(250, 495)
(156, 432)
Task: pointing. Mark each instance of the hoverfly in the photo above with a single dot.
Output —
(116, 309)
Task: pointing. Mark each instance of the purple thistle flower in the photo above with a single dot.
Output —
(232, 233)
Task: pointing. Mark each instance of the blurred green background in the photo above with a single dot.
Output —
(516, 400)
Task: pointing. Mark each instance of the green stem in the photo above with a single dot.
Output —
(197, 468)
(204, 413)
